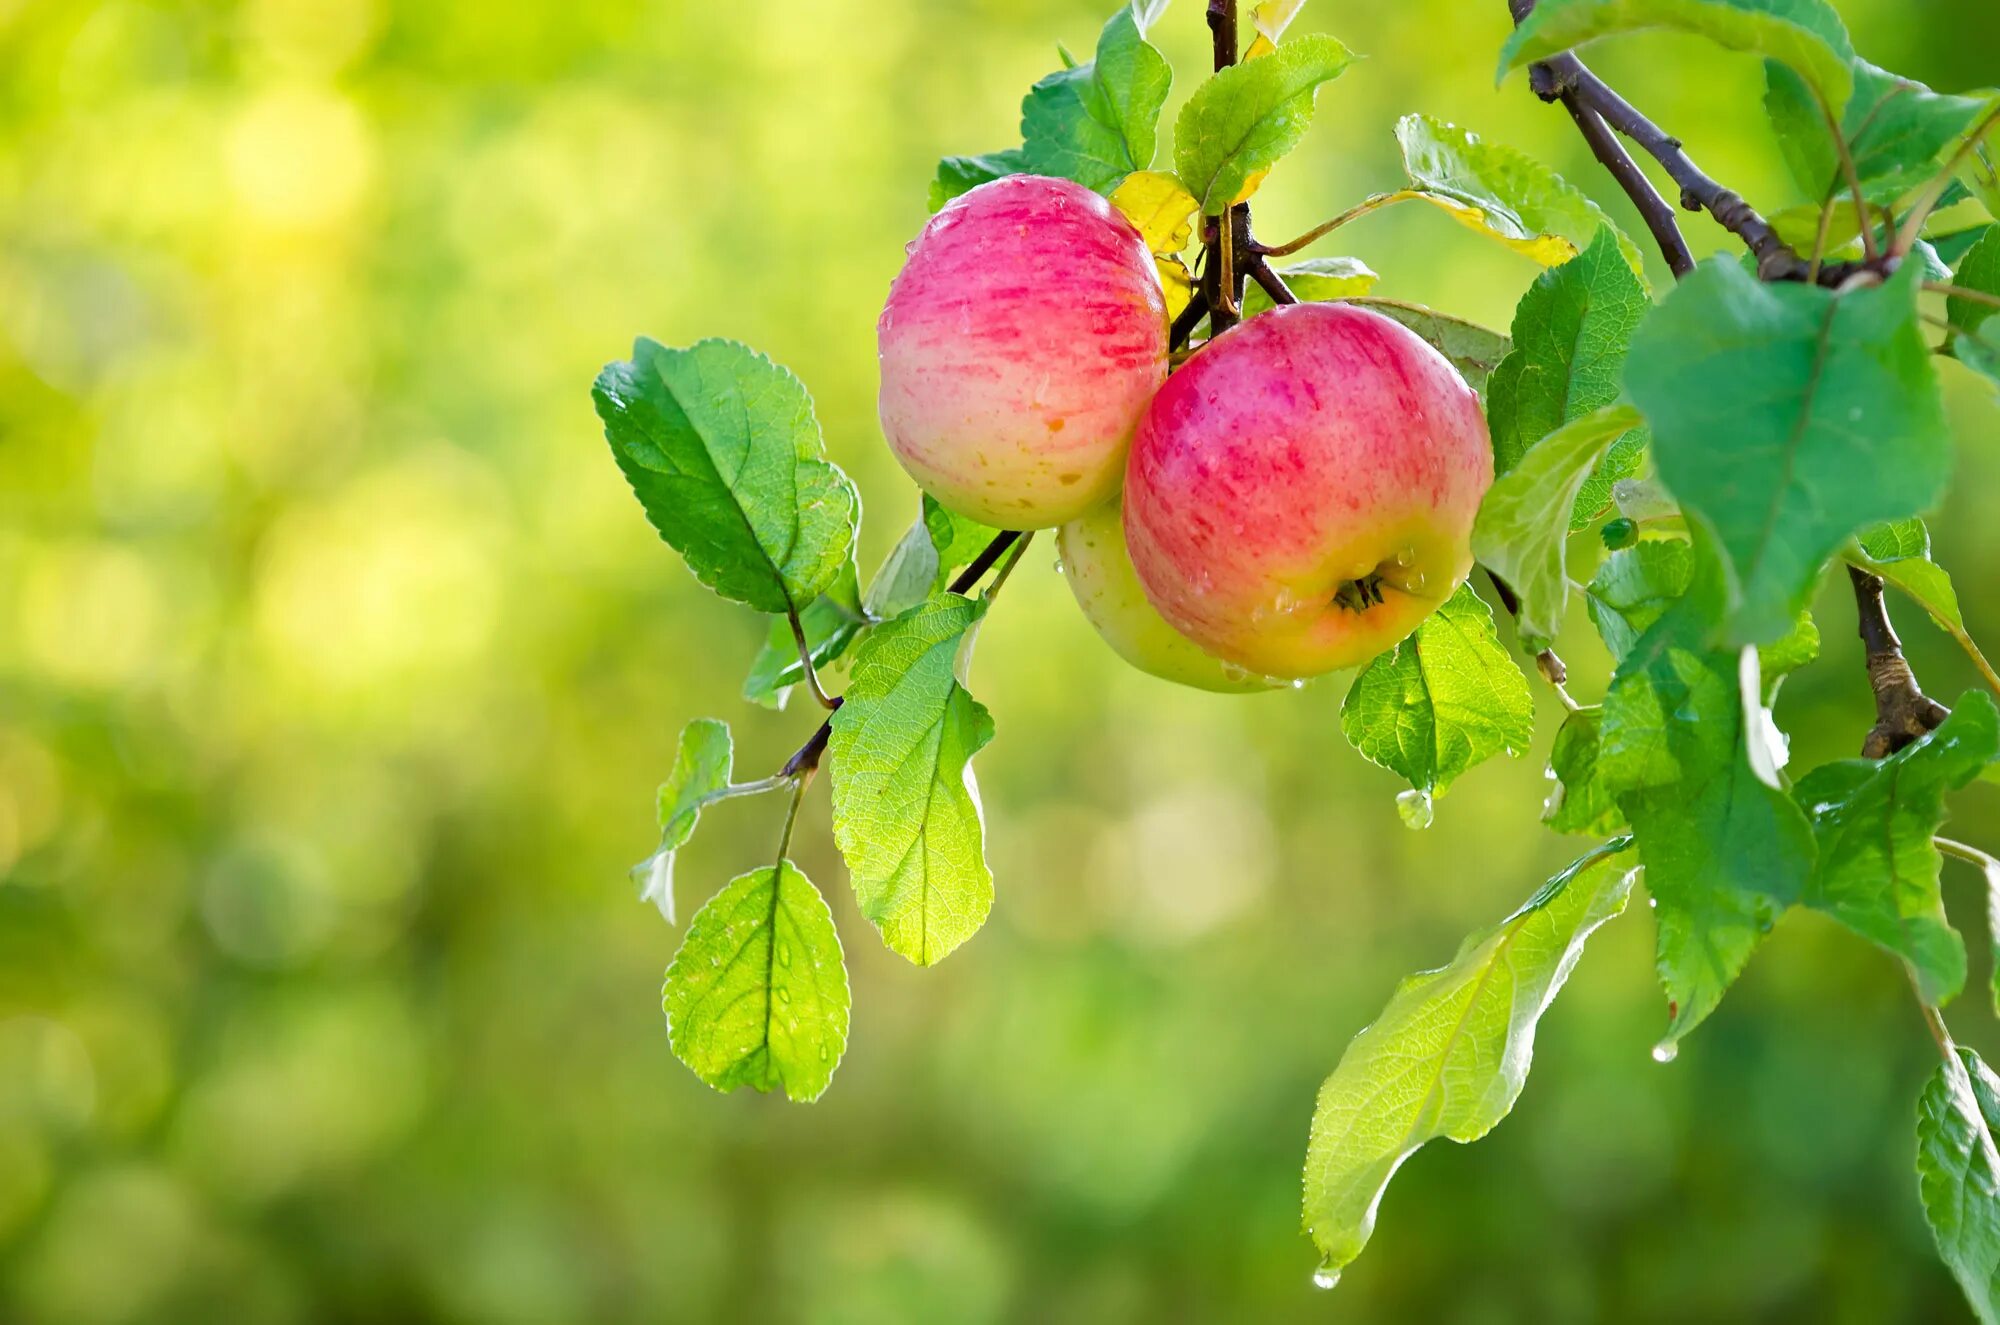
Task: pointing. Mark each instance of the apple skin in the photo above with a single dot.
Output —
(1299, 452)
(1100, 574)
(1019, 346)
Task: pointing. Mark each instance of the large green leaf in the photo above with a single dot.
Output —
(923, 561)
(1874, 819)
(757, 995)
(1449, 1055)
(1978, 270)
(1958, 1176)
(722, 449)
(1243, 119)
(832, 622)
(1892, 124)
(1446, 698)
(1785, 417)
(700, 775)
(905, 812)
(1804, 34)
(962, 174)
(1900, 552)
(1571, 331)
(1503, 193)
(1473, 350)
(1524, 523)
(1725, 853)
(1096, 123)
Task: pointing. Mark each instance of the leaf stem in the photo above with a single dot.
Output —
(1963, 292)
(1320, 231)
(1971, 855)
(1007, 567)
(1274, 284)
(1852, 176)
(792, 816)
(984, 561)
(819, 694)
(1920, 211)
(1933, 1020)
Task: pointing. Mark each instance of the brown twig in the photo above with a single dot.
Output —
(1903, 712)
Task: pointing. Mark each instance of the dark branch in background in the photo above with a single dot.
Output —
(1564, 78)
(984, 561)
(1902, 711)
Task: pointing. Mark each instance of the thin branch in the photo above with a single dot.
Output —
(819, 694)
(1961, 292)
(1190, 318)
(1274, 284)
(1655, 210)
(1007, 567)
(1371, 203)
(984, 561)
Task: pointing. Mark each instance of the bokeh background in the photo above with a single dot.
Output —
(337, 669)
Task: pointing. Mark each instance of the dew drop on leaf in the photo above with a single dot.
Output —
(784, 954)
(1666, 1051)
(1325, 1277)
(1415, 807)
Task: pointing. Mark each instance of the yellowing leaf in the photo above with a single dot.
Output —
(1159, 207)
(1176, 282)
(1549, 250)
(1272, 17)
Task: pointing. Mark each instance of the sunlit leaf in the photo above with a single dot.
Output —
(1097, 122)
(1786, 417)
(700, 775)
(905, 810)
(1448, 697)
(1958, 1176)
(1449, 1054)
(1804, 34)
(1978, 270)
(1580, 801)
(1159, 207)
(1244, 118)
(722, 449)
(1634, 587)
(1877, 871)
(1523, 526)
(1891, 124)
(1502, 193)
(757, 995)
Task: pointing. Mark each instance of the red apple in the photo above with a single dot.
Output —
(1301, 493)
(1019, 347)
(1100, 574)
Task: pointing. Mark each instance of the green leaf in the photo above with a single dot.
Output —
(1891, 125)
(721, 448)
(1958, 1176)
(1523, 526)
(1804, 34)
(1502, 193)
(958, 540)
(757, 995)
(1096, 123)
(832, 622)
(1243, 119)
(1978, 270)
(1900, 553)
(907, 576)
(1449, 1054)
(1633, 588)
(1446, 698)
(1473, 350)
(700, 775)
(962, 174)
(1581, 802)
(1954, 246)
(1571, 332)
(1785, 417)
(905, 812)
(1725, 854)
(1874, 820)
(1315, 280)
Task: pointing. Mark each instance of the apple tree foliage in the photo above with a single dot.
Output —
(1689, 463)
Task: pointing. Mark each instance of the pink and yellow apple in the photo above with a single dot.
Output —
(1100, 574)
(1301, 492)
(1019, 347)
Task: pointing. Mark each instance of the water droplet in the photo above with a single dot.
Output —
(1235, 675)
(784, 954)
(1666, 1051)
(1297, 683)
(784, 995)
(1325, 1277)
(1059, 563)
(1415, 807)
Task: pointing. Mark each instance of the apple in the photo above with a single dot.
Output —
(1019, 347)
(1300, 494)
(1100, 574)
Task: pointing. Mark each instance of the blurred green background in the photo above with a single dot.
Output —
(337, 668)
